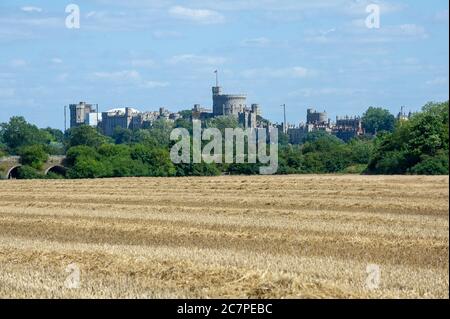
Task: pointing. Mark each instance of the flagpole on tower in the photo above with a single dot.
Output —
(217, 77)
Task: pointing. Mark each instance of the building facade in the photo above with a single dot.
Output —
(121, 117)
(130, 118)
(348, 127)
(228, 104)
(316, 118)
(235, 105)
(83, 114)
(344, 128)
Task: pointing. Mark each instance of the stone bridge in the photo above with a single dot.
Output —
(9, 166)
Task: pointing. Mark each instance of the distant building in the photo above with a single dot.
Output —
(345, 128)
(83, 114)
(235, 105)
(121, 117)
(402, 116)
(201, 113)
(228, 104)
(316, 118)
(256, 109)
(247, 119)
(348, 127)
(296, 134)
(130, 118)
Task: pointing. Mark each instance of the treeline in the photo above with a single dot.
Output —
(415, 146)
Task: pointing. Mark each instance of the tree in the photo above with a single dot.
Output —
(377, 119)
(156, 159)
(184, 123)
(320, 135)
(80, 152)
(222, 123)
(417, 146)
(3, 150)
(122, 135)
(160, 133)
(320, 142)
(87, 168)
(28, 172)
(18, 132)
(112, 150)
(33, 155)
(186, 114)
(283, 138)
(85, 135)
(200, 169)
(361, 150)
(432, 165)
(125, 167)
(55, 135)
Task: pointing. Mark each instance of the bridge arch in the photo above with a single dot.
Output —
(57, 169)
(12, 173)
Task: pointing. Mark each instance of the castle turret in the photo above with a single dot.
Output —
(256, 109)
(216, 90)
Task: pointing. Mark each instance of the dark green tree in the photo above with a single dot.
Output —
(160, 133)
(85, 135)
(80, 152)
(33, 155)
(86, 167)
(377, 119)
(222, 123)
(156, 159)
(432, 165)
(28, 172)
(416, 146)
(55, 135)
(361, 150)
(122, 135)
(18, 132)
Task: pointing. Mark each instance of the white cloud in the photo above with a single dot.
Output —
(162, 34)
(358, 7)
(31, 9)
(292, 72)
(317, 92)
(439, 81)
(154, 84)
(410, 30)
(196, 59)
(129, 77)
(442, 16)
(118, 76)
(142, 63)
(14, 23)
(203, 16)
(90, 14)
(256, 42)
(357, 32)
(16, 63)
(57, 61)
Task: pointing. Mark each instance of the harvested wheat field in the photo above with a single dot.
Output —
(249, 237)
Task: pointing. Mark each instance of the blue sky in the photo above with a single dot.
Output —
(152, 53)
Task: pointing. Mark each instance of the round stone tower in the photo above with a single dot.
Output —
(227, 104)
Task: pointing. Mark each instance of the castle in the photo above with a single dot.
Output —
(130, 118)
(344, 128)
(235, 105)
